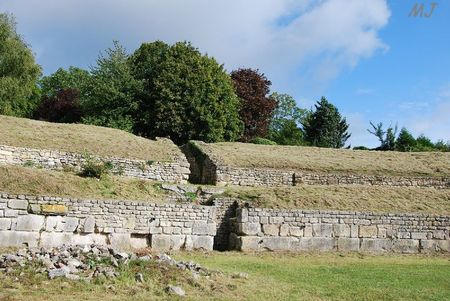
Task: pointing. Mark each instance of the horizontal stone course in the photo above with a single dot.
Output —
(177, 170)
(52, 221)
(319, 230)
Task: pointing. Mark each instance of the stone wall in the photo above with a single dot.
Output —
(310, 230)
(272, 177)
(177, 170)
(52, 221)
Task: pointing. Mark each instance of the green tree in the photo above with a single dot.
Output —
(185, 95)
(405, 141)
(72, 78)
(325, 127)
(18, 71)
(285, 119)
(112, 91)
(424, 144)
(387, 138)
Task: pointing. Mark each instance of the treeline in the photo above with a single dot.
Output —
(162, 90)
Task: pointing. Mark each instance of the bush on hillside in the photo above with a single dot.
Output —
(259, 140)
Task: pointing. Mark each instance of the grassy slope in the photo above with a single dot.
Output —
(79, 138)
(271, 277)
(22, 180)
(331, 160)
(347, 197)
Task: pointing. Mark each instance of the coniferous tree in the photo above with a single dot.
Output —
(325, 127)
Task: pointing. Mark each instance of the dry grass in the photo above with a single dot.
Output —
(79, 138)
(347, 197)
(30, 181)
(330, 160)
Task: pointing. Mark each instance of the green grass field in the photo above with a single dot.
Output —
(270, 277)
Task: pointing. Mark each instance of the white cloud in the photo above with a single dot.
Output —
(280, 37)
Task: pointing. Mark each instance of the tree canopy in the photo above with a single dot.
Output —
(18, 71)
(257, 107)
(112, 91)
(284, 127)
(325, 127)
(185, 95)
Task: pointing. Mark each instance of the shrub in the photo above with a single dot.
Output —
(93, 168)
(361, 148)
(259, 140)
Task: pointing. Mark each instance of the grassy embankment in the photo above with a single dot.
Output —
(319, 160)
(31, 181)
(80, 138)
(270, 277)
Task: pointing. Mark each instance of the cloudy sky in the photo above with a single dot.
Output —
(368, 57)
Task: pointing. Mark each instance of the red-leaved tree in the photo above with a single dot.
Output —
(257, 107)
(64, 107)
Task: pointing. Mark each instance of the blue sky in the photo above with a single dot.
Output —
(368, 57)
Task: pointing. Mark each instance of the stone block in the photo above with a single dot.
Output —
(271, 229)
(242, 215)
(322, 230)
(375, 245)
(55, 239)
(30, 222)
(18, 204)
(277, 243)
(345, 244)
(439, 234)
(5, 223)
(49, 209)
(320, 244)
(354, 229)
(155, 230)
(161, 242)
(51, 223)
(248, 228)
(418, 235)
(368, 231)
(18, 239)
(284, 230)
(195, 242)
(120, 241)
(249, 243)
(88, 238)
(341, 230)
(67, 224)
(296, 231)
(139, 241)
(11, 213)
(203, 228)
(89, 225)
(405, 246)
(308, 232)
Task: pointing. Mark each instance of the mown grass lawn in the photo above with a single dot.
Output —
(271, 276)
(335, 276)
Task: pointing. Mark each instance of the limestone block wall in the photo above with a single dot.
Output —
(273, 177)
(53, 221)
(310, 230)
(177, 170)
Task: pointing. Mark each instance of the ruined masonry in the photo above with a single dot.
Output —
(223, 225)
(177, 170)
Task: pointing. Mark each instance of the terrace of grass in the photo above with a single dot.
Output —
(326, 160)
(32, 181)
(80, 138)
